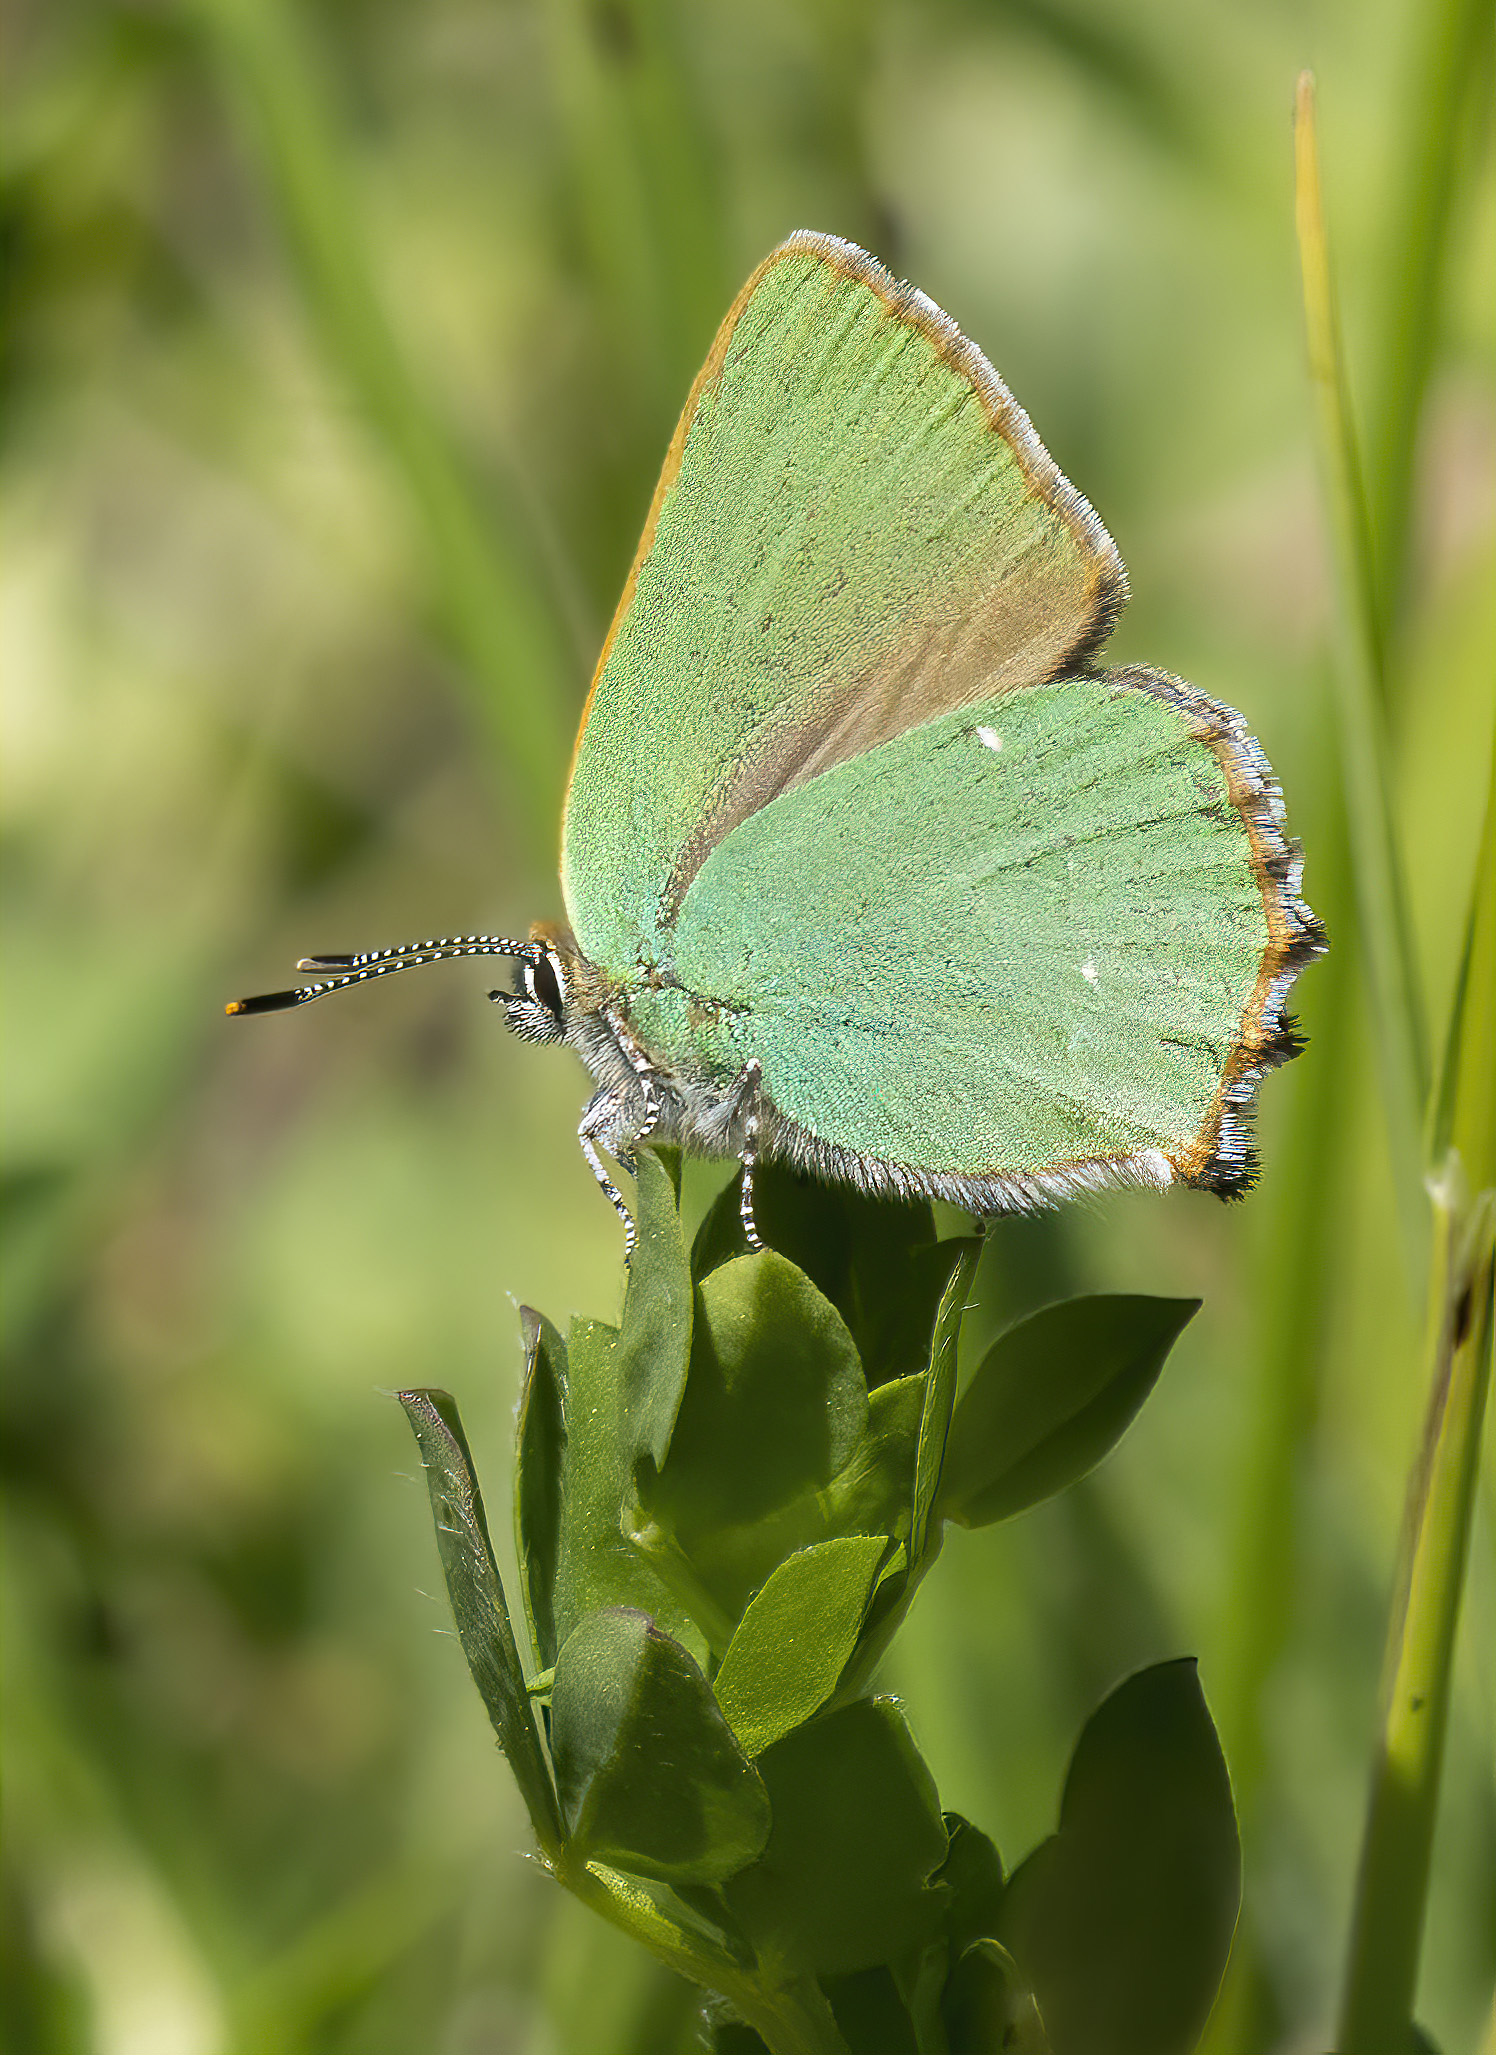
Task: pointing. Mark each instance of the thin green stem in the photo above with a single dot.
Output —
(1392, 1887)
(792, 2018)
(1293, 1270)
(490, 586)
(1380, 896)
(1445, 68)
(1387, 1926)
(1463, 1111)
(646, 195)
(1293, 1262)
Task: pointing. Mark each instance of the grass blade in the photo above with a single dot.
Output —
(490, 589)
(1293, 1268)
(644, 186)
(1380, 897)
(1387, 1925)
(1463, 1113)
(1447, 70)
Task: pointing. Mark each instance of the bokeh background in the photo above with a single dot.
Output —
(343, 343)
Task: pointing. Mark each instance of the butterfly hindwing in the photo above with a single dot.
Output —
(1033, 945)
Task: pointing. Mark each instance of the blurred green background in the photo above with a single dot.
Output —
(342, 347)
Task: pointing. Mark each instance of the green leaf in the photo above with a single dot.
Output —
(873, 1492)
(986, 2009)
(896, 1275)
(650, 1776)
(720, 1236)
(733, 2037)
(870, 1257)
(655, 1344)
(870, 2015)
(776, 1398)
(973, 1873)
(940, 1391)
(1122, 1921)
(597, 1563)
(870, 1494)
(921, 1979)
(1052, 1395)
(538, 1469)
(477, 1597)
(774, 1407)
(937, 1390)
(793, 1642)
(844, 1883)
(620, 1399)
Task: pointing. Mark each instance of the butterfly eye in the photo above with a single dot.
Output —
(545, 985)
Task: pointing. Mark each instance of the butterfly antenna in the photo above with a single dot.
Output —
(359, 968)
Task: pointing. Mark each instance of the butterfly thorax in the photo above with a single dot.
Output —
(657, 1054)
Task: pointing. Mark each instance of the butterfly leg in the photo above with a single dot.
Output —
(748, 1090)
(649, 1091)
(601, 1114)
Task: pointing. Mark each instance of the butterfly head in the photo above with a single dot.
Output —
(537, 1007)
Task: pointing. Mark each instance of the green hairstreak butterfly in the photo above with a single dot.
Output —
(867, 866)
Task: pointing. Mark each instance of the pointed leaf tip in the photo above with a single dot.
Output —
(1051, 1397)
(1121, 1922)
(655, 1341)
(796, 1638)
(478, 1605)
(539, 1468)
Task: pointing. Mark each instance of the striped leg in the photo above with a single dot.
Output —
(644, 1072)
(600, 1112)
(748, 1086)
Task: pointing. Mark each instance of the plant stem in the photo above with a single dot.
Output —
(647, 197)
(492, 594)
(1387, 1924)
(1387, 1927)
(1381, 901)
(1294, 1257)
(792, 2019)
(1292, 1270)
(1445, 68)
(1462, 1114)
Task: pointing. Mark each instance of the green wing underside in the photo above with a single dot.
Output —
(1021, 936)
(856, 531)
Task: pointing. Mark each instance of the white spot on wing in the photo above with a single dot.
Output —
(1089, 972)
(990, 739)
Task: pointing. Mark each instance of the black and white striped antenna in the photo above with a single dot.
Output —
(380, 963)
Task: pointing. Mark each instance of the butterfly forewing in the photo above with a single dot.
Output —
(856, 530)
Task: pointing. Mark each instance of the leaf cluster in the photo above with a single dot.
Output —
(723, 1508)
